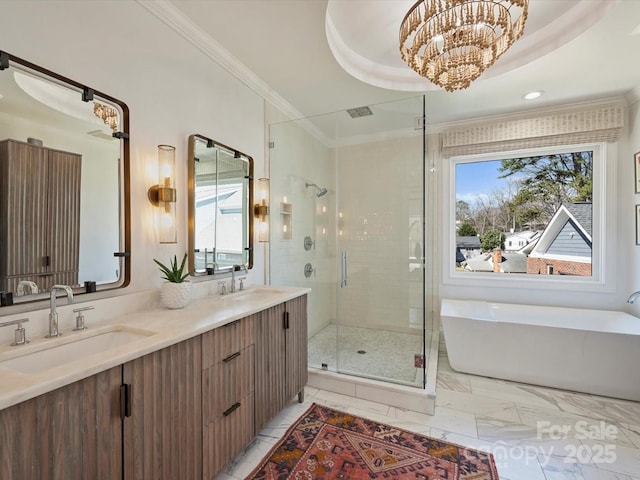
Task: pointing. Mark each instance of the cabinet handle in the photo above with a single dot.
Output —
(231, 357)
(231, 409)
(231, 324)
(125, 400)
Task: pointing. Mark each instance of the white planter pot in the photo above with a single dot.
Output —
(175, 295)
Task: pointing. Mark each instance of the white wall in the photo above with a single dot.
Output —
(172, 90)
(630, 271)
(297, 158)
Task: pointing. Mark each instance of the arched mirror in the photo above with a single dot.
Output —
(64, 184)
(220, 196)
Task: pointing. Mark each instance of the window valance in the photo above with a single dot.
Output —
(601, 123)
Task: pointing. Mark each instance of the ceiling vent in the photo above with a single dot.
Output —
(359, 112)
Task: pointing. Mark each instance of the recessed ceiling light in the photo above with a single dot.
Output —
(533, 95)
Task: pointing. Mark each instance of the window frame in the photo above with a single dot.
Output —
(603, 265)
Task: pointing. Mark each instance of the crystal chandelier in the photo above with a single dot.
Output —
(451, 42)
(107, 114)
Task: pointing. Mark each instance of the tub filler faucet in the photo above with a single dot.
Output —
(53, 315)
(633, 297)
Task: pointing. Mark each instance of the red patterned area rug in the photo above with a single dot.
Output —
(327, 444)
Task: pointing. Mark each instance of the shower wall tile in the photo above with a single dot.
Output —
(380, 190)
(298, 158)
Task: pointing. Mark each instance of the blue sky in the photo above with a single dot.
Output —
(473, 179)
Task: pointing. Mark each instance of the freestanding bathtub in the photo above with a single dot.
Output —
(591, 351)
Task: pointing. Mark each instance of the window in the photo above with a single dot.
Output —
(539, 215)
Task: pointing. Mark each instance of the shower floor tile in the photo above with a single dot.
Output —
(387, 355)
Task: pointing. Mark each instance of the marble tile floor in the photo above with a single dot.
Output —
(535, 433)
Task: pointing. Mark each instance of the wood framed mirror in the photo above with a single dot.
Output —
(220, 207)
(64, 184)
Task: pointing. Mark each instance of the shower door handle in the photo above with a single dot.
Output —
(345, 269)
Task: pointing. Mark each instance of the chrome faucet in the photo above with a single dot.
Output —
(633, 297)
(53, 315)
(233, 276)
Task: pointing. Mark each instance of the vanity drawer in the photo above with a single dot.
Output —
(226, 340)
(225, 383)
(227, 436)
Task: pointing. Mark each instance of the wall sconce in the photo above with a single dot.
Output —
(163, 195)
(261, 209)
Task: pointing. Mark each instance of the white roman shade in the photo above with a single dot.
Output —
(580, 124)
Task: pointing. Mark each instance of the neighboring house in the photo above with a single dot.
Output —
(497, 261)
(517, 241)
(564, 248)
(467, 247)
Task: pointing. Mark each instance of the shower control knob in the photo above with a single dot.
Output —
(308, 270)
(308, 243)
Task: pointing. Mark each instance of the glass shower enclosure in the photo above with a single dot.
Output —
(347, 221)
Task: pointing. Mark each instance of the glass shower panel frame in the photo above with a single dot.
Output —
(366, 262)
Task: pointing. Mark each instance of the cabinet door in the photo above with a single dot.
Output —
(73, 432)
(296, 343)
(270, 365)
(163, 434)
(23, 202)
(63, 231)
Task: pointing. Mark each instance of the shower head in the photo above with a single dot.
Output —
(321, 191)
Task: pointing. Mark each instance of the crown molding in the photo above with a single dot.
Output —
(171, 16)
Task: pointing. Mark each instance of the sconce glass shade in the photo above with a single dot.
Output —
(261, 209)
(163, 195)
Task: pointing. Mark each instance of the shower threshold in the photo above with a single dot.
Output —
(392, 394)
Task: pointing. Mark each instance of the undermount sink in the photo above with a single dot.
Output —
(255, 291)
(72, 348)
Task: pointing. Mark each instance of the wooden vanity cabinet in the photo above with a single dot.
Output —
(182, 412)
(39, 215)
(296, 352)
(162, 426)
(281, 358)
(73, 432)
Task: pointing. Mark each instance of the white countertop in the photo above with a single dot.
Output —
(165, 327)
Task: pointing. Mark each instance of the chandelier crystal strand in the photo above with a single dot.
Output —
(107, 114)
(451, 42)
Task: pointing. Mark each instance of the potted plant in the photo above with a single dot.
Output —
(176, 291)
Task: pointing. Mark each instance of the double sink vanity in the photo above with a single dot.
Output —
(157, 394)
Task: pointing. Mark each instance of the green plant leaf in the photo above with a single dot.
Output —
(172, 273)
